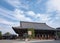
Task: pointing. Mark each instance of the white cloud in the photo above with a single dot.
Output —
(39, 17)
(43, 17)
(9, 23)
(7, 13)
(57, 16)
(18, 4)
(54, 23)
(30, 13)
(4, 21)
(21, 16)
(53, 5)
(14, 3)
(14, 15)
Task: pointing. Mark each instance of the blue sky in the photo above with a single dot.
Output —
(14, 11)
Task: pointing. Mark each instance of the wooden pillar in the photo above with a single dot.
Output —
(48, 36)
(45, 36)
(42, 36)
(56, 35)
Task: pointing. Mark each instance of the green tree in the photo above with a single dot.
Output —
(33, 33)
(58, 33)
(0, 35)
(7, 33)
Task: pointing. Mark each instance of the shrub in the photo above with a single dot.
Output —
(0, 35)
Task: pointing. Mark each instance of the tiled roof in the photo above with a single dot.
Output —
(35, 25)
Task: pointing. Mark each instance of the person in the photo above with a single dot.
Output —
(55, 38)
(25, 36)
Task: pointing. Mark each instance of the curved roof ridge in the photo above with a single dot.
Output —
(31, 22)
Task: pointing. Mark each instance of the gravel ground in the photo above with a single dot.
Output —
(32, 41)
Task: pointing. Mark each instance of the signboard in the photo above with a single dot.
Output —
(29, 32)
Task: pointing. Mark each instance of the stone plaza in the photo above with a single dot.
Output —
(32, 41)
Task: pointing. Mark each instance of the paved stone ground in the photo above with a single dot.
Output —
(32, 41)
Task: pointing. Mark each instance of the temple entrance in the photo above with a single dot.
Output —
(39, 34)
(44, 34)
